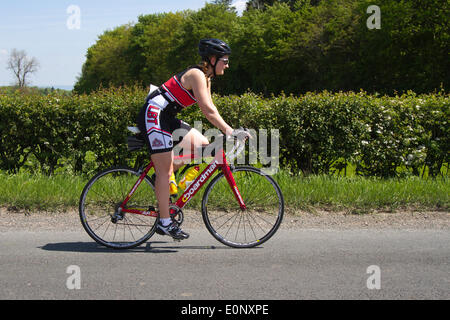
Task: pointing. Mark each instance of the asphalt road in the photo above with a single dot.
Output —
(294, 264)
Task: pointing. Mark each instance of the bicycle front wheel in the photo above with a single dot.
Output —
(250, 227)
(100, 212)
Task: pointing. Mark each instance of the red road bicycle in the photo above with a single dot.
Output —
(242, 207)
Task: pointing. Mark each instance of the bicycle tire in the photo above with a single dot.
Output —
(100, 200)
(238, 228)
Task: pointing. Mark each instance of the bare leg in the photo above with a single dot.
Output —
(163, 169)
(193, 139)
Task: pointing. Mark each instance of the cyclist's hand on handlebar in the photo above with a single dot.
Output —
(241, 134)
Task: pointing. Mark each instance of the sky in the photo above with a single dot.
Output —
(59, 32)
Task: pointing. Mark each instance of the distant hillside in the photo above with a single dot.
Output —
(62, 87)
(63, 90)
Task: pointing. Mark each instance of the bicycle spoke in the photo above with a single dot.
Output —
(225, 221)
(100, 206)
(256, 222)
(243, 228)
(237, 229)
(251, 227)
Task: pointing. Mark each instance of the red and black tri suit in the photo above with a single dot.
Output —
(157, 118)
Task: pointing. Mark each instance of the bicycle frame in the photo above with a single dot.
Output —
(219, 162)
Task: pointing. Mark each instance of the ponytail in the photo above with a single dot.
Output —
(204, 67)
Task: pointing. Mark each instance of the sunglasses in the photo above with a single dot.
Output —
(225, 60)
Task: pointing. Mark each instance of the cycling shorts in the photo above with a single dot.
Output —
(159, 126)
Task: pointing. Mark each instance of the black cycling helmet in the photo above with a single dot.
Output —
(211, 46)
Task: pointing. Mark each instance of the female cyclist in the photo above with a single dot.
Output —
(158, 120)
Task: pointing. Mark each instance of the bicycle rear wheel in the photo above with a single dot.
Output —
(235, 227)
(100, 212)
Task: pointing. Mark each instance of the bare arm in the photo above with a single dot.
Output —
(195, 79)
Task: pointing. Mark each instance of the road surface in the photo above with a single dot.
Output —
(363, 260)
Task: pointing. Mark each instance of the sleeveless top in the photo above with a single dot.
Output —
(177, 96)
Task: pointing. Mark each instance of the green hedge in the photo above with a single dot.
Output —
(320, 133)
(324, 132)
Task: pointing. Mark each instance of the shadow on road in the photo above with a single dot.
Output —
(151, 247)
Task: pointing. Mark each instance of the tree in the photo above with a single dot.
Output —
(107, 61)
(259, 44)
(264, 4)
(290, 46)
(22, 66)
(410, 51)
(259, 4)
(227, 3)
(212, 21)
(152, 42)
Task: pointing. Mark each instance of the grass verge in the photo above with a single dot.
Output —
(356, 194)
(360, 195)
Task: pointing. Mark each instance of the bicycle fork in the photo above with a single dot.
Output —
(229, 176)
